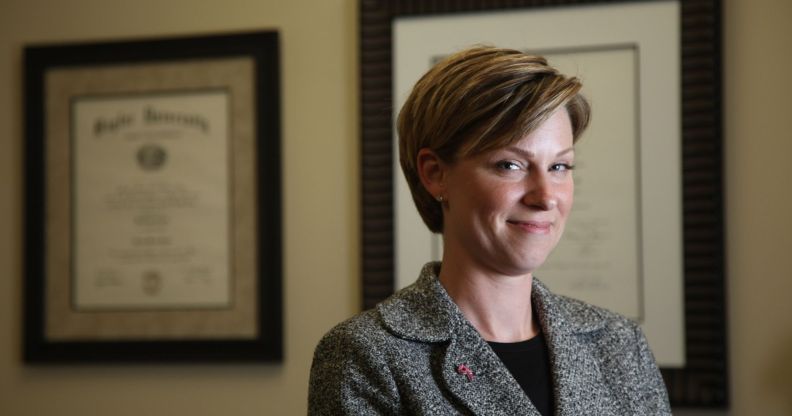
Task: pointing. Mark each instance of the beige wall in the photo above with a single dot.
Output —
(758, 87)
(320, 158)
(320, 203)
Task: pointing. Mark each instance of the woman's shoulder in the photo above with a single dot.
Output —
(363, 328)
(414, 313)
(353, 356)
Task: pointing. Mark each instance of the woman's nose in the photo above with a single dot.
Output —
(540, 193)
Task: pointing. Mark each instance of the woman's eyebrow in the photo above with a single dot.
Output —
(522, 152)
(529, 154)
(567, 150)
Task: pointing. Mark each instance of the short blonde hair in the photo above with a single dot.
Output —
(476, 100)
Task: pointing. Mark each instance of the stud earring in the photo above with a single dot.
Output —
(439, 198)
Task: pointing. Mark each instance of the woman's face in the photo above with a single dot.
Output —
(507, 208)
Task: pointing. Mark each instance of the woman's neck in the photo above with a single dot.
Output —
(498, 306)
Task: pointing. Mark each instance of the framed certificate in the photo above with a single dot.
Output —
(153, 200)
(646, 235)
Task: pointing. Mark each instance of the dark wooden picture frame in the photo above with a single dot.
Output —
(703, 382)
(263, 316)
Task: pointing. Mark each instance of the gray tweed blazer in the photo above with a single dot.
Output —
(416, 354)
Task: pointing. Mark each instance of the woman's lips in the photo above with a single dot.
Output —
(533, 227)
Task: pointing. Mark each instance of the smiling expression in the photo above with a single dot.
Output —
(506, 209)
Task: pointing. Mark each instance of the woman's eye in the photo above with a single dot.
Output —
(507, 165)
(561, 167)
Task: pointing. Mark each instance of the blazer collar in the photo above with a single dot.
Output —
(468, 368)
(422, 311)
(562, 315)
(425, 312)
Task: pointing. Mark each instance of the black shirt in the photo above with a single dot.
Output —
(529, 364)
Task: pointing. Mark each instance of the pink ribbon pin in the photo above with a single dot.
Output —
(463, 369)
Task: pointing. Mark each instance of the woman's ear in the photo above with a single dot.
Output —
(432, 171)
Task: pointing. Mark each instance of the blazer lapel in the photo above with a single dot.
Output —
(468, 368)
(478, 380)
(569, 329)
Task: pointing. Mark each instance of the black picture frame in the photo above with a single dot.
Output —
(265, 342)
(703, 382)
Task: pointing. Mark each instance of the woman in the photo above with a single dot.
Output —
(486, 142)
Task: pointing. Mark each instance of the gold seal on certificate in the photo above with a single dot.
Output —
(151, 201)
